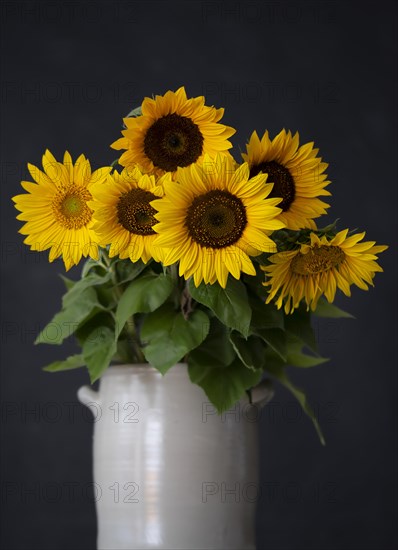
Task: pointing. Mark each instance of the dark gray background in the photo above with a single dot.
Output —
(71, 70)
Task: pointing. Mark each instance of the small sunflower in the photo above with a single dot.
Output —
(214, 218)
(124, 216)
(296, 172)
(56, 209)
(172, 132)
(320, 267)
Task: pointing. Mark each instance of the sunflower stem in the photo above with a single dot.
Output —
(129, 327)
(187, 305)
(173, 270)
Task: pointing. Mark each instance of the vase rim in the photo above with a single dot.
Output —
(140, 368)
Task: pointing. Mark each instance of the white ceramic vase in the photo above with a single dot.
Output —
(169, 472)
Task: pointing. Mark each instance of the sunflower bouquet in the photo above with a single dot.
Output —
(191, 255)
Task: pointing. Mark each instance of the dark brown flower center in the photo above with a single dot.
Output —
(216, 219)
(135, 213)
(173, 141)
(318, 260)
(282, 179)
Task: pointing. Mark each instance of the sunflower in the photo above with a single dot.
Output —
(172, 132)
(56, 208)
(214, 218)
(320, 267)
(297, 174)
(123, 214)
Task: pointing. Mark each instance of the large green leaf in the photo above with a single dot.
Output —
(299, 324)
(66, 321)
(265, 315)
(93, 266)
(254, 283)
(128, 271)
(72, 362)
(275, 338)
(98, 350)
(298, 359)
(324, 309)
(230, 304)
(67, 282)
(168, 336)
(216, 349)
(97, 318)
(251, 351)
(295, 355)
(142, 296)
(224, 386)
(93, 279)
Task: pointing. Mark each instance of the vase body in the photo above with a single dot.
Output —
(169, 472)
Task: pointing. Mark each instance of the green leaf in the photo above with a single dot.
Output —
(93, 279)
(169, 336)
(265, 315)
(79, 304)
(276, 369)
(275, 338)
(72, 362)
(88, 265)
(67, 282)
(297, 359)
(97, 318)
(324, 309)
(251, 351)
(295, 355)
(67, 321)
(142, 296)
(98, 350)
(107, 296)
(299, 324)
(254, 283)
(224, 386)
(273, 361)
(230, 304)
(127, 271)
(216, 349)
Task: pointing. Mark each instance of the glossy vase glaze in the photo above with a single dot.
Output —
(169, 472)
